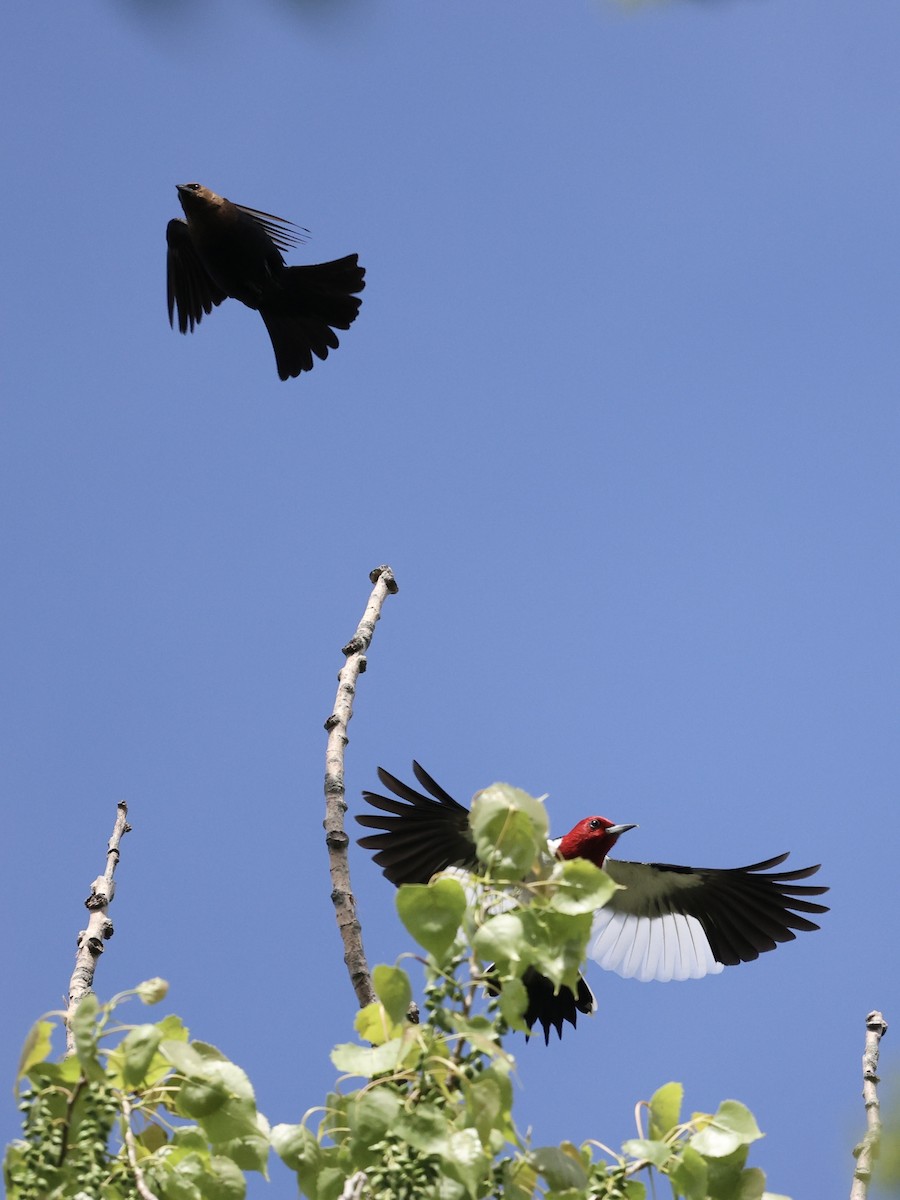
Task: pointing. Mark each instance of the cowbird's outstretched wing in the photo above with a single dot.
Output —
(189, 288)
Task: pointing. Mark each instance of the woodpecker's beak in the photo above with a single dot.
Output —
(615, 830)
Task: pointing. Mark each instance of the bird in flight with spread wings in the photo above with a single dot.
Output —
(223, 249)
(667, 922)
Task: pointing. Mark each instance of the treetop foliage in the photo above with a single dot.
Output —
(422, 1108)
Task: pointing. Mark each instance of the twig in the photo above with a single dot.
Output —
(867, 1150)
(67, 1120)
(100, 927)
(335, 806)
(140, 1182)
(355, 1186)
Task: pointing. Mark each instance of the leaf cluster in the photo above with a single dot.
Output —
(433, 1116)
(132, 1101)
(144, 1110)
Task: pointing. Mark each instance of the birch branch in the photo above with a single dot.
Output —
(867, 1150)
(140, 1182)
(336, 838)
(100, 927)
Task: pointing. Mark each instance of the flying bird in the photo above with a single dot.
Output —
(667, 922)
(224, 249)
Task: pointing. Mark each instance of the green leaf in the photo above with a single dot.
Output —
(87, 1010)
(181, 1189)
(44, 1073)
(85, 1032)
(752, 1184)
(731, 1126)
(465, 1159)
(168, 1029)
(199, 1097)
(510, 829)
(579, 887)
(251, 1151)
(189, 1137)
(173, 1028)
(393, 989)
(367, 1060)
(182, 1183)
(336, 1121)
(724, 1174)
(138, 1048)
(151, 991)
(330, 1183)
(713, 1142)
(513, 1004)
(183, 1057)
(519, 1178)
(562, 1168)
(557, 943)
(37, 1046)
(152, 1137)
(426, 1128)
(432, 912)
(485, 1103)
(373, 1024)
(449, 1188)
(297, 1148)
(372, 1113)
(654, 1152)
(225, 1180)
(501, 939)
(665, 1109)
(235, 1119)
(689, 1175)
(733, 1115)
(214, 1091)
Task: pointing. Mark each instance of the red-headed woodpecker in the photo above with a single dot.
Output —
(667, 922)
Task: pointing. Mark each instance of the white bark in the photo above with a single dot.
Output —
(867, 1150)
(335, 805)
(100, 927)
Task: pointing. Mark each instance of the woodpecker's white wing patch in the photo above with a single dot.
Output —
(672, 946)
(643, 932)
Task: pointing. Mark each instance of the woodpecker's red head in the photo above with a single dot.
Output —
(592, 838)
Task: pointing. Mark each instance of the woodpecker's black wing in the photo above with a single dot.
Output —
(189, 288)
(672, 922)
(421, 835)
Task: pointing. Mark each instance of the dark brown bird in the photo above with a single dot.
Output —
(226, 249)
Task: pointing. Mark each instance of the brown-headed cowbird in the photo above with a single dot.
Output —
(226, 249)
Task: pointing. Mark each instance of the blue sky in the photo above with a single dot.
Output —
(621, 411)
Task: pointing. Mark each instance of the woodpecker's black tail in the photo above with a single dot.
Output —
(549, 1009)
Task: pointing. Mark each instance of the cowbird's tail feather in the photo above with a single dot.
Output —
(310, 303)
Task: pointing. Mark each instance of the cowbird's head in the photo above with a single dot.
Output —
(195, 198)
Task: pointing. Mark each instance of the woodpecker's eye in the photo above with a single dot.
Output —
(596, 823)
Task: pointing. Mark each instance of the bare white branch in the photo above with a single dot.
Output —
(140, 1182)
(355, 1187)
(100, 927)
(335, 805)
(867, 1150)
